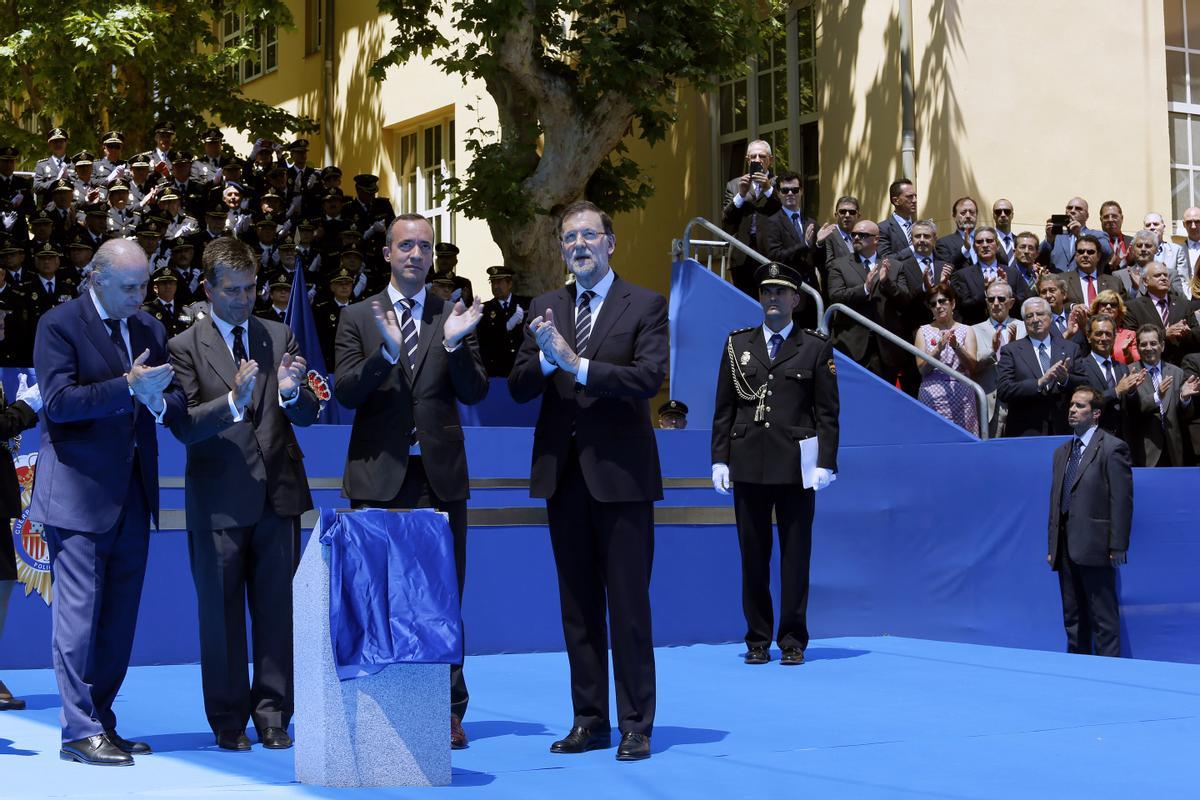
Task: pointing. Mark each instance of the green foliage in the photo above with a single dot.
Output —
(586, 53)
(90, 66)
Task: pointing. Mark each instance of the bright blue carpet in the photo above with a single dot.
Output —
(864, 718)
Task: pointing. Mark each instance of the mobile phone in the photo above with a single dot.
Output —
(756, 168)
(1060, 221)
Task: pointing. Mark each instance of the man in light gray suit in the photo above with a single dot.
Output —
(990, 336)
(1142, 249)
(1168, 252)
(1159, 413)
(1091, 510)
(246, 386)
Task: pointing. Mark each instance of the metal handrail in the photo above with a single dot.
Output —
(749, 251)
(909, 347)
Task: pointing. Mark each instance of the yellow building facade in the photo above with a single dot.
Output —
(1033, 100)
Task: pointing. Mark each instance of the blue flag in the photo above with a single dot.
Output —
(299, 318)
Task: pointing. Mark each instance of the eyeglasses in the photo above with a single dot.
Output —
(998, 212)
(1086, 252)
(862, 235)
(996, 299)
(589, 236)
(789, 190)
(940, 301)
(1106, 304)
(984, 241)
(848, 211)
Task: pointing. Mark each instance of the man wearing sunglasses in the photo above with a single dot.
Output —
(958, 247)
(997, 331)
(790, 239)
(1084, 279)
(1002, 219)
(1058, 249)
(971, 282)
(833, 238)
(867, 283)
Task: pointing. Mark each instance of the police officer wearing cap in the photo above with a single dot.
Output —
(776, 386)
(280, 287)
(15, 190)
(165, 307)
(373, 213)
(301, 177)
(500, 331)
(141, 181)
(87, 189)
(672, 415)
(60, 210)
(122, 218)
(327, 313)
(180, 224)
(164, 139)
(111, 166)
(54, 166)
(206, 167)
(16, 349)
(192, 193)
(444, 264)
(47, 288)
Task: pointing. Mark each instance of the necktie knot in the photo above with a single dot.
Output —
(585, 298)
(407, 303)
(114, 325)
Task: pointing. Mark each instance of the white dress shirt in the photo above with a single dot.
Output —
(104, 317)
(226, 330)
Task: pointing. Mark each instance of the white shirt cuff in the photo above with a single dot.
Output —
(581, 375)
(284, 403)
(738, 200)
(547, 367)
(233, 409)
(386, 356)
(450, 349)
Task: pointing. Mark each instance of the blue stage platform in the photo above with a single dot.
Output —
(879, 718)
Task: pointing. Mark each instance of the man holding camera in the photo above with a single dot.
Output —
(749, 201)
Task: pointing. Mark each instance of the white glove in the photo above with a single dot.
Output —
(374, 230)
(720, 478)
(516, 319)
(9, 219)
(360, 284)
(456, 295)
(822, 478)
(31, 395)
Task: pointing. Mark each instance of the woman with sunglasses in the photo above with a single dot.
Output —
(952, 343)
(1109, 303)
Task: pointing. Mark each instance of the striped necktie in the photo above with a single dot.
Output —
(408, 332)
(583, 321)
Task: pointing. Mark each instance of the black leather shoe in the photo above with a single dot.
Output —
(96, 751)
(458, 737)
(758, 655)
(582, 739)
(792, 657)
(8, 702)
(126, 746)
(233, 740)
(275, 739)
(633, 747)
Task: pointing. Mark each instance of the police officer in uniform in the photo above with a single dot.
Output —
(500, 332)
(445, 260)
(111, 167)
(672, 416)
(777, 386)
(328, 313)
(54, 166)
(165, 306)
(16, 349)
(205, 168)
(301, 177)
(15, 190)
(47, 288)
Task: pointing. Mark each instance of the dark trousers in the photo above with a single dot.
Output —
(416, 492)
(603, 553)
(97, 590)
(1091, 613)
(793, 506)
(233, 567)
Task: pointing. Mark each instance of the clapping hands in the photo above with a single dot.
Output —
(554, 347)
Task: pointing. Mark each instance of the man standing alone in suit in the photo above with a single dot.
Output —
(1091, 508)
(405, 359)
(246, 488)
(102, 367)
(598, 352)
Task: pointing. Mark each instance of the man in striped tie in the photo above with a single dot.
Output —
(1091, 511)
(596, 354)
(404, 360)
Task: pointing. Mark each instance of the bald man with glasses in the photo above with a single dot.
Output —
(971, 282)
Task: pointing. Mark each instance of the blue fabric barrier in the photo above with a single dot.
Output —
(499, 410)
(393, 594)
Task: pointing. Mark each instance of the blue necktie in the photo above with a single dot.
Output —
(773, 345)
(1064, 504)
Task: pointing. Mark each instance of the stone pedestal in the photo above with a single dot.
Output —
(387, 729)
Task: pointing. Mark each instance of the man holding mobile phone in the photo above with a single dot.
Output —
(750, 200)
(1058, 249)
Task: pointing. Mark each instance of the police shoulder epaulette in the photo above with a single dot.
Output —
(819, 334)
(742, 330)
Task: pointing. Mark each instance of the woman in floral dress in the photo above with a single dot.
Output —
(953, 344)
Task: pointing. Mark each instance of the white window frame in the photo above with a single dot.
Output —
(419, 184)
(793, 121)
(266, 43)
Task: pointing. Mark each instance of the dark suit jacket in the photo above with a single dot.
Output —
(1086, 372)
(90, 421)
(803, 383)
(969, 285)
(1101, 501)
(234, 469)
(783, 243)
(892, 242)
(609, 418)
(1032, 412)
(497, 344)
(1103, 283)
(847, 283)
(390, 402)
(1141, 310)
(949, 249)
(1061, 254)
(1152, 435)
(911, 278)
(738, 221)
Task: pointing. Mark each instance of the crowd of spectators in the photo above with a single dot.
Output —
(1028, 315)
(295, 216)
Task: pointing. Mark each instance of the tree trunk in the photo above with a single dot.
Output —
(532, 248)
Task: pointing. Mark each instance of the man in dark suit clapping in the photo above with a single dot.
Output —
(405, 359)
(246, 386)
(1091, 510)
(598, 352)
